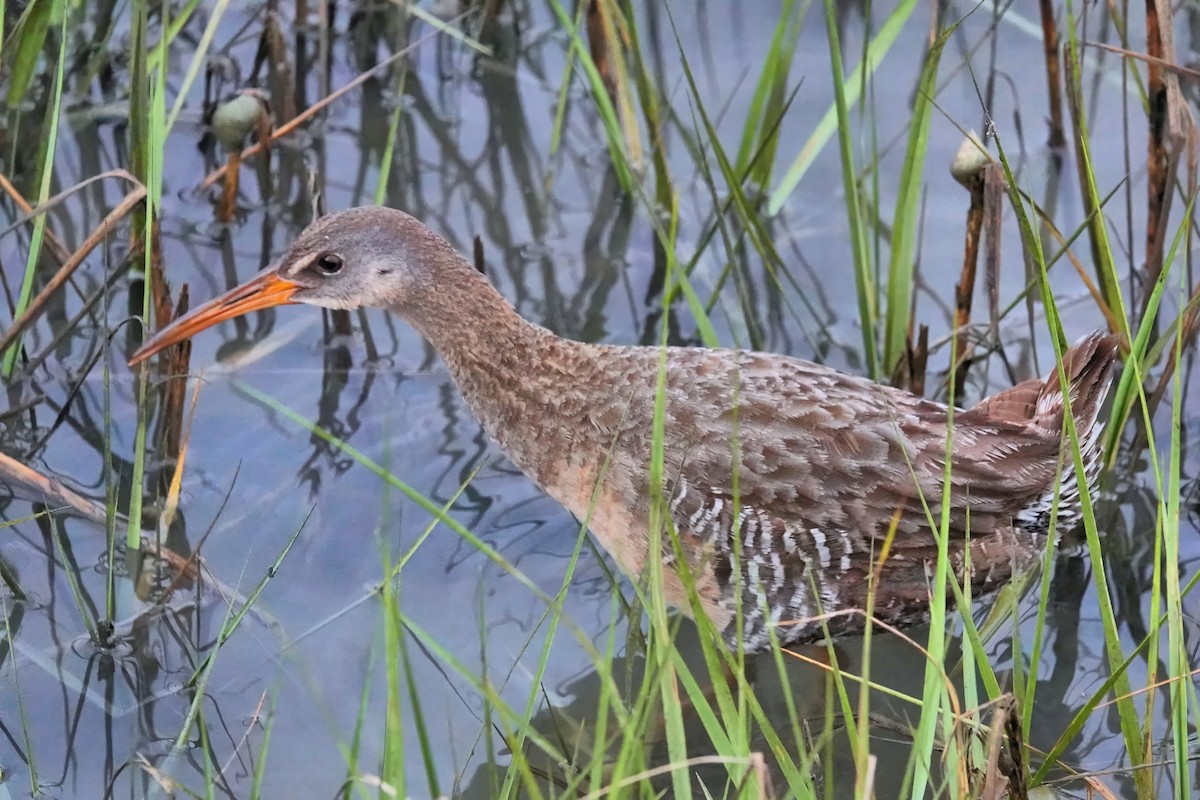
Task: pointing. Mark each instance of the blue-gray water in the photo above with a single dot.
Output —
(473, 159)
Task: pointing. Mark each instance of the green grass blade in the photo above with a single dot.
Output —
(934, 689)
(832, 120)
(1177, 640)
(1129, 387)
(30, 37)
(760, 132)
(30, 755)
(53, 111)
(608, 113)
(69, 571)
(393, 770)
(196, 63)
(864, 280)
(902, 268)
(351, 753)
(1126, 711)
(260, 764)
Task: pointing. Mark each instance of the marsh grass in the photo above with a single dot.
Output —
(671, 726)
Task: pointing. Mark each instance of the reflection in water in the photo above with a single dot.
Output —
(472, 156)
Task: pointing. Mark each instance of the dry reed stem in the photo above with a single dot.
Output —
(1177, 69)
(174, 362)
(58, 250)
(964, 290)
(1005, 770)
(35, 307)
(916, 360)
(69, 327)
(319, 106)
(49, 490)
(1190, 315)
(53, 201)
(229, 195)
(249, 724)
(282, 83)
(1092, 779)
(599, 45)
(164, 781)
(995, 191)
(1166, 122)
(1095, 291)
(480, 263)
(1050, 44)
(955, 709)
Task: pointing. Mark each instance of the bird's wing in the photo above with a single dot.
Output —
(832, 452)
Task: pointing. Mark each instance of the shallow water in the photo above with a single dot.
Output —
(473, 160)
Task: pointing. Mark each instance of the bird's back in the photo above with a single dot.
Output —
(826, 464)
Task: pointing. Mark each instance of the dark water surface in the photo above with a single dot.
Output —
(473, 159)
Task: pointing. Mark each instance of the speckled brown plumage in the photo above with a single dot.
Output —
(824, 459)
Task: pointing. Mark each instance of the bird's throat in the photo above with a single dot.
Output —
(507, 369)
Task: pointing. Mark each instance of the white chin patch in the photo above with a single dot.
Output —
(328, 302)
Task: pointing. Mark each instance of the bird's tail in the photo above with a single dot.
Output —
(1038, 406)
(1089, 366)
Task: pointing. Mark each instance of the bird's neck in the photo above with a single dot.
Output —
(509, 371)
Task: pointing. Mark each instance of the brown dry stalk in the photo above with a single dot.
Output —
(101, 232)
(283, 85)
(1166, 122)
(48, 490)
(1190, 315)
(1018, 771)
(916, 360)
(1057, 235)
(51, 491)
(964, 290)
(57, 249)
(995, 784)
(174, 483)
(995, 191)
(30, 212)
(319, 106)
(251, 725)
(1177, 69)
(1050, 42)
(229, 195)
(1005, 770)
(172, 363)
(598, 44)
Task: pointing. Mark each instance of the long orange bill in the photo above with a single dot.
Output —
(264, 291)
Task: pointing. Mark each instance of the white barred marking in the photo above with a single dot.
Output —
(777, 566)
(678, 501)
(789, 539)
(818, 538)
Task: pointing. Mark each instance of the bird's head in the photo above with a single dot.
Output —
(363, 257)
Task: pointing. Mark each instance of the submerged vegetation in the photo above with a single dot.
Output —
(620, 183)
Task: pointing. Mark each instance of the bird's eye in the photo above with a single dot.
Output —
(330, 264)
